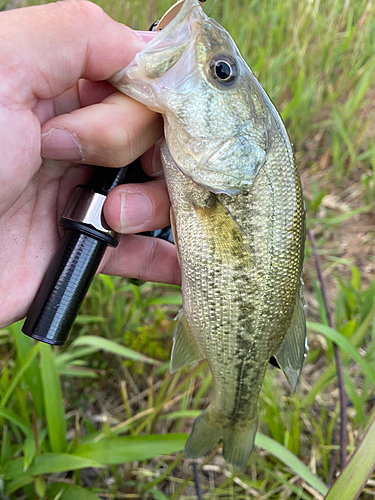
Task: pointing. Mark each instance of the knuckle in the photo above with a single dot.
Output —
(116, 138)
(112, 146)
(87, 8)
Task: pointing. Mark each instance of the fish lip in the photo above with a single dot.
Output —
(132, 81)
(189, 5)
(183, 15)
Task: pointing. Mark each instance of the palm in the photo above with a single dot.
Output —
(30, 234)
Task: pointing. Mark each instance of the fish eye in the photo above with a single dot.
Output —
(223, 68)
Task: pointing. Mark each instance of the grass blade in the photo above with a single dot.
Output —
(127, 449)
(358, 335)
(64, 491)
(345, 345)
(88, 320)
(53, 400)
(16, 421)
(32, 375)
(24, 367)
(29, 452)
(67, 358)
(113, 348)
(175, 299)
(290, 460)
(361, 89)
(330, 372)
(333, 221)
(17, 484)
(47, 463)
(361, 465)
(181, 414)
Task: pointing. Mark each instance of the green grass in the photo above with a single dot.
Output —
(103, 416)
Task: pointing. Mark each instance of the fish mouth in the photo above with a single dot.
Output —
(147, 76)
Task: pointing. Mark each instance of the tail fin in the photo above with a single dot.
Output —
(203, 437)
(239, 442)
(238, 439)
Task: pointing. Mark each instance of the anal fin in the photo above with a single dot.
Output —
(185, 349)
(292, 351)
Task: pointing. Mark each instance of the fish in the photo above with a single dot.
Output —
(238, 219)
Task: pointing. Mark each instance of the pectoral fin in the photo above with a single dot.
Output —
(227, 238)
(185, 349)
(291, 353)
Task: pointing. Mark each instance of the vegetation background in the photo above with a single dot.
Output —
(103, 418)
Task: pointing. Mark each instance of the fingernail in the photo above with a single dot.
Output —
(61, 144)
(136, 209)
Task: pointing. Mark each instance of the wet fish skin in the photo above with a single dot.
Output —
(239, 218)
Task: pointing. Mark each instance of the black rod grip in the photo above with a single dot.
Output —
(64, 287)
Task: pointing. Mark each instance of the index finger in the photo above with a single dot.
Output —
(55, 45)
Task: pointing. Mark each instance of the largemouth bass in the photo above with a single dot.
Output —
(238, 216)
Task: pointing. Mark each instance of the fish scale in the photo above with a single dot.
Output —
(238, 217)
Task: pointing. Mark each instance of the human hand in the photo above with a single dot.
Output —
(54, 102)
